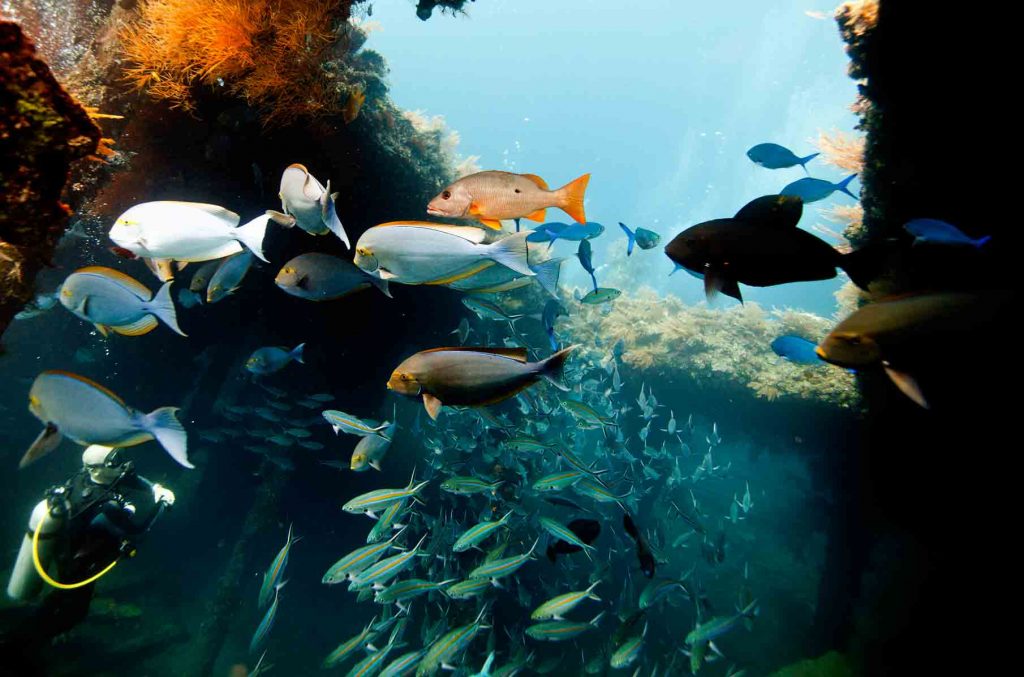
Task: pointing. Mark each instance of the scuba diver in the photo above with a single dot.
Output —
(76, 534)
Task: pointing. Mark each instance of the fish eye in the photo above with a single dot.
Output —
(446, 195)
(288, 271)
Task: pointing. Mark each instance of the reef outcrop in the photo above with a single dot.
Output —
(42, 131)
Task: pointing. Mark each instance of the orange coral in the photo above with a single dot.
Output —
(270, 52)
(845, 151)
(859, 15)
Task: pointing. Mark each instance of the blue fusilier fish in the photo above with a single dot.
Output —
(574, 232)
(796, 349)
(720, 625)
(561, 631)
(442, 652)
(72, 406)
(933, 231)
(342, 422)
(774, 156)
(813, 190)
(349, 647)
(113, 301)
(552, 310)
(646, 239)
(259, 638)
(557, 607)
(228, 277)
(404, 665)
(601, 295)
(584, 254)
(476, 534)
(500, 568)
(272, 579)
(271, 359)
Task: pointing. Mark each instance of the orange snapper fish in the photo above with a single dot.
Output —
(491, 196)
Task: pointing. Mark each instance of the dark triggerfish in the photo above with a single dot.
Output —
(761, 246)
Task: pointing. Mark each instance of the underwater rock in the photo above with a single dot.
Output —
(42, 131)
(713, 348)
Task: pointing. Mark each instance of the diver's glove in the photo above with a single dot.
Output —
(163, 495)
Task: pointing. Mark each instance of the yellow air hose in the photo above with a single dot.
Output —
(46, 577)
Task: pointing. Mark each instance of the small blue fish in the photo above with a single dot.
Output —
(273, 358)
(812, 190)
(774, 156)
(552, 310)
(796, 349)
(647, 239)
(933, 231)
(259, 637)
(228, 276)
(584, 254)
(574, 232)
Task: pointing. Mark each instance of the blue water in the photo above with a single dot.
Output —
(659, 104)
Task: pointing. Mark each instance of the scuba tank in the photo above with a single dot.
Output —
(49, 517)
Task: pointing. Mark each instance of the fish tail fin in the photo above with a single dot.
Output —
(548, 274)
(251, 235)
(864, 265)
(551, 368)
(163, 307)
(596, 620)
(632, 238)
(843, 186)
(804, 160)
(572, 195)
(163, 425)
(981, 241)
(330, 216)
(296, 353)
(512, 253)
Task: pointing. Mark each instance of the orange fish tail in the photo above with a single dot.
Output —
(572, 195)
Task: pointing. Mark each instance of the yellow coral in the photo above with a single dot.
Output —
(845, 151)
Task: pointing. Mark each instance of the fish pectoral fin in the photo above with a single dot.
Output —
(83, 307)
(907, 385)
(537, 216)
(386, 274)
(302, 282)
(494, 224)
(432, 405)
(47, 441)
(282, 219)
(102, 329)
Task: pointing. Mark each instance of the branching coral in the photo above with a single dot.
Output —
(274, 53)
(662, 334)
(845, 151)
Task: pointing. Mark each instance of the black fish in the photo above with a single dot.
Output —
(761, 246)
(643, 551)
(586, 530)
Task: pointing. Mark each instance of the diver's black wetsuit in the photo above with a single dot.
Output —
(101, 522)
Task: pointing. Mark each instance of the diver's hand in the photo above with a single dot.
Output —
(162, 494)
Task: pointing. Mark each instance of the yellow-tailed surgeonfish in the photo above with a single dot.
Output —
(186, 231)
(491, 196)
(322, 277)
(116, 302)
(472, 377)
(73, 406)
(311, 203)
(418, 252)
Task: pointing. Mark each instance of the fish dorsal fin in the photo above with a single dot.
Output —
(775, 211)
(117, 275)
(541, 183)
(468, 233)
(214, 210)
(517, 354)
(89, 382)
